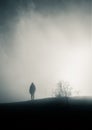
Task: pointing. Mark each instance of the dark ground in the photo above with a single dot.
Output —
(47, 113)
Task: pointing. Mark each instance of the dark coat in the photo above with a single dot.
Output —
(32, 89)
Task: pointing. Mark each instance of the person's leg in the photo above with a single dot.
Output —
(31, 96)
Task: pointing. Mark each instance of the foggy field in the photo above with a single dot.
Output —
(44, 41)
(63, 103)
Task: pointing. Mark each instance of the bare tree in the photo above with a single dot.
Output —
(63, 89)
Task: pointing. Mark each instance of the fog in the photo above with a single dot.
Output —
(44, 42)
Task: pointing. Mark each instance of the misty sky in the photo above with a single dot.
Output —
(44, 41)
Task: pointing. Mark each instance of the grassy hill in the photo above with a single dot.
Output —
(52, 111)
(83, 104)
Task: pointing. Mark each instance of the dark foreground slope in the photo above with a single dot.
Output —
(47, 113)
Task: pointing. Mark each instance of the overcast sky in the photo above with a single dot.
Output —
(44, 41)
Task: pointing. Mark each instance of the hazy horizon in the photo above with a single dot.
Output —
(44, 42)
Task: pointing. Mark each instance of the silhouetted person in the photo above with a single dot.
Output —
(32, 90)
